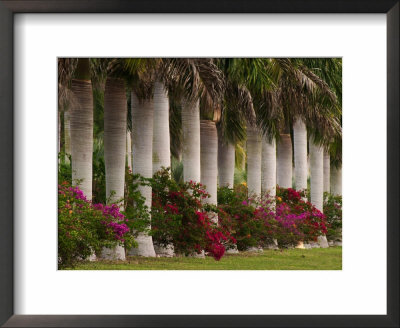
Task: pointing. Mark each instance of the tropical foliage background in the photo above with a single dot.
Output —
(197, 156)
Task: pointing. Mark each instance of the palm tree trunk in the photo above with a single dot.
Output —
(115, 111)
(317, 182)
(327, 172)
(161, 144)
(161, 138)
(129, 149)
(226, 162)
(284, 159)
(268, 167)
(300, 153)
(81, 121)
(253, 161)
(191, 141)
(209, 159)
(142, 149)
(336, 180)
(115, 108)
(317, 174)
(67, 135)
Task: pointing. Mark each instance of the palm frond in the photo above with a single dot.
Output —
(175, 127)
(194, 78)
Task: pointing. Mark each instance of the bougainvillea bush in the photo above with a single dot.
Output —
(85, 228)
(302, 220)
(333, 213)
(288, 218)
(179, 218)
(244, 220)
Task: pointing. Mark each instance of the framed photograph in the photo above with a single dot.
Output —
(339, 55)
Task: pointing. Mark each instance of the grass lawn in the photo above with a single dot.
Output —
(291, 259)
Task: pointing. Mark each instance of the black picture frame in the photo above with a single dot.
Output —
(7, 10)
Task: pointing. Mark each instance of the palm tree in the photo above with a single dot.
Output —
(284, 159)
(247, 80)
(209, 159)
(336, 180)
(231, 127)
(150, 130)
(327, 171)
(268, 167)
(161, 142)
(191, 141)
(192, 79)
(81, 120)
(325, 115)
(306, 100)
(186, 78)
(115, 113)
(66, 99)
(161, 136)
(326, 111)
(226, 162)
(300, 153)
(316, 174)
(231, 136)
(210, 114)
(142, 146)
(316, 181)
(253, 161)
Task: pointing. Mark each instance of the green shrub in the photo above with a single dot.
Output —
(240, 177)
(333, 212)
(64, 168)
(99, 173)
(135, 209)
(243, 219)
(85, 228)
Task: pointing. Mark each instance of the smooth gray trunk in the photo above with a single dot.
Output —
(327, 172)
(336, 180)
(317, 182)
(268, 167)
(253, 161)
(317, 175)
(300, 154)
(209, 159)
(161, 137)
(115, 112)
(226, 162)
(81, 125)
(191, 141)
(284, 162)
(226, 170)
(142, 150)
(161, 144)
